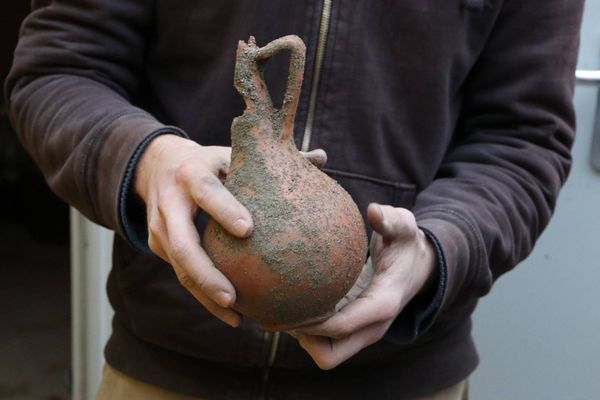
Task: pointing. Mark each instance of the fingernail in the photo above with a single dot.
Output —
(241, 228)
(224, 299)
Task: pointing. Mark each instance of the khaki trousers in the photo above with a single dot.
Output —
(117, 386)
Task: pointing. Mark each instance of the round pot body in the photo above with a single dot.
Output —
(307, 247)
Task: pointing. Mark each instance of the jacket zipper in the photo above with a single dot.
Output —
(266, 372)
(312, 102)
(273, 351)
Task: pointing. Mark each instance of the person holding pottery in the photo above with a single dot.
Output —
(449, 123)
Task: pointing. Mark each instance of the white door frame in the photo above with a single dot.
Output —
(91, 250)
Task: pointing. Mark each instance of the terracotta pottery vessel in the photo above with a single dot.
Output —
(309, 241)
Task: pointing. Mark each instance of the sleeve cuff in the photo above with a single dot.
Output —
(132, 210)
(419, 314)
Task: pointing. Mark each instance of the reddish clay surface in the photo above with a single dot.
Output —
(309, 241)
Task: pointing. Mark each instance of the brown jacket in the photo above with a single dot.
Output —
(460, 110)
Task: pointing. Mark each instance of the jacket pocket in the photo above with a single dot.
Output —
(366, 189)
(150, 302)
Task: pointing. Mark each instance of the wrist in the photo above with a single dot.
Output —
(150, 158)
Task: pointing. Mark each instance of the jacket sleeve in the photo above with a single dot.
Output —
(497, 186)
(76, 67)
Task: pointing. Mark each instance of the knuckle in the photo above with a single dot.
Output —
(201, 282)
(154, 229)
(165, 200)
(201, 194)
(184, 172)
(399, 223)
(153, 245)
(185, 280)
(406, 220)
(209, 180)
(205, 187)
(178, 250)
(404, 213)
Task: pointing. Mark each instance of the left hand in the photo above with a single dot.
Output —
(403, 264)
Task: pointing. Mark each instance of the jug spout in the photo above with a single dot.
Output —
(250, 83)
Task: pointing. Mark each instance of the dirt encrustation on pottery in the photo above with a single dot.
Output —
(309, 242)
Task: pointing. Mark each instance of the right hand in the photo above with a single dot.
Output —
(177, 177)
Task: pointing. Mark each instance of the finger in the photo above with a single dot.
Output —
(184, 250)
(227, 315)
(356, 315)
(391, 222)
(210, 195)
(316, 157)
(156, 231)
(218, 159)
(157, 249)
(363, 281)
(329, 353)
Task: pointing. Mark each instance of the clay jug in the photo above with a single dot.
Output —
(309, 241)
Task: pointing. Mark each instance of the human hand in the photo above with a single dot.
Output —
(403, 263)
(177, 177)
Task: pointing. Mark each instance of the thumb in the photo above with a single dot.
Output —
(391, 222)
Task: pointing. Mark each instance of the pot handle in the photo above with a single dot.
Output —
(255, 90)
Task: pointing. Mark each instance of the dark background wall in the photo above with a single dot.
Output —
(12, 13)
(24, 198)
(34, 259)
